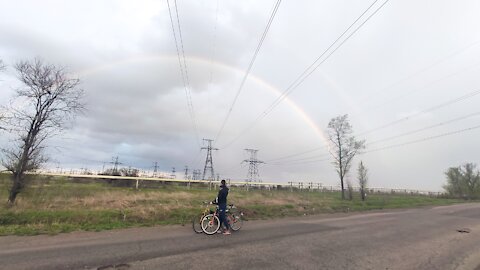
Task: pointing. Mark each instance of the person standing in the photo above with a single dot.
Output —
(221, 200)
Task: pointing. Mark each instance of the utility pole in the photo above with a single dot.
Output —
(208, 161)
(253, 175)
(173, 175)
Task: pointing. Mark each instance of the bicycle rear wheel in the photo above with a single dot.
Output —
(235, 220)
(210, 224)
(197, 224)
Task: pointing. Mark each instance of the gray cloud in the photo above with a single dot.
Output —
(410, 56)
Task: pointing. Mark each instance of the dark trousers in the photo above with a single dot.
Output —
(222, 208)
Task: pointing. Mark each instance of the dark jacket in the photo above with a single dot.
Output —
(222, 195)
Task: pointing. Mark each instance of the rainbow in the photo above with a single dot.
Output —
(207, 62)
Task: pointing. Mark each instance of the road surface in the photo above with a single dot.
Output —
(422, 238)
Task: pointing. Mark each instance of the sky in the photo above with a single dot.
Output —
(407, 78)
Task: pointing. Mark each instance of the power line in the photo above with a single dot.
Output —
(307, 160)
(189, 93)
(311, 68)
(429, 138)
(252, 61)
(189, 98)
(436, 107)
(421, 71)
(423, 139)
(416, 90)
(315, 65)
(296, 154)
(181, 43)
(212, 53)
(293, 162)
(426, 128)
(183, 69)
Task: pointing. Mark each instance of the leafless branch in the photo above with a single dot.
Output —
(51, 100)
(344, 146)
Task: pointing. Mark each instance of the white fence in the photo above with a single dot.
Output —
(292, 186)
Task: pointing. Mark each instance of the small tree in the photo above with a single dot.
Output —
(50, 101)
(463, 181)
(362, 172)
(345, 146)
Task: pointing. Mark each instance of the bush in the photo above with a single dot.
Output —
(463, 181)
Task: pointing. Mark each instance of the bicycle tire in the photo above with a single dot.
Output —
(210, 224)
(197, 223)
(235, 221)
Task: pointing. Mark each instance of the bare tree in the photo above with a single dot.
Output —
(345, 146)
(51, 100)
(362, 179)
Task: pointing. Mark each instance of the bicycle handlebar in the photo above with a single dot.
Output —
(209, 202)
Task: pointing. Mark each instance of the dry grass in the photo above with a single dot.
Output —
(52, 205)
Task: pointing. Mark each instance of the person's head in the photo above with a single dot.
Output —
(223, 182)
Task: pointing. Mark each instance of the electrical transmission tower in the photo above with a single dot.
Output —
(196, 174)
(174, 173)
(208, 160)
(115, 163)
(186, 172)
(155, 169)
(253, 162)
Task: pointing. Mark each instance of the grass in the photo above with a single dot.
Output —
(56, 205)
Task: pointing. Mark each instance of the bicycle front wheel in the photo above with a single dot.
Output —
(210, 224)
(235, 221)
(197, 224)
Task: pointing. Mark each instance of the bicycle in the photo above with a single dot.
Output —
(197, 221)
(211, 223)
(235, 217)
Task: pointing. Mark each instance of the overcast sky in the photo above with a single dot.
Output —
(410, 67)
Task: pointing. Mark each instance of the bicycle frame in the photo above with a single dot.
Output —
(228, 215)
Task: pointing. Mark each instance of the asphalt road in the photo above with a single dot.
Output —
(425, 238)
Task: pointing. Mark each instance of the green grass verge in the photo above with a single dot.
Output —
(55, 205)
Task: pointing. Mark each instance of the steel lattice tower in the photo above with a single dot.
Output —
(208, 160)
(186, 172)
(253, 175)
